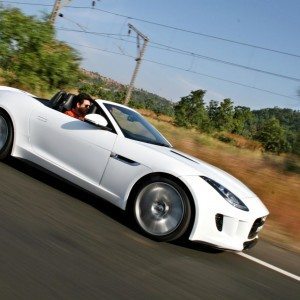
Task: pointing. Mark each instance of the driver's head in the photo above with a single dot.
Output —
(82, 103)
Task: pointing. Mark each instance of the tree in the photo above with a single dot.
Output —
(212, 111)
(273, 136)
(242, 120)
(296, 145)
(289, 119)
(31, 57)
(190, 111)
(225, 112)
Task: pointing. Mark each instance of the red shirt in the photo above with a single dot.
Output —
(74, 114)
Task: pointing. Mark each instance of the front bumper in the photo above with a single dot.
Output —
(220, 224)
(235, 234)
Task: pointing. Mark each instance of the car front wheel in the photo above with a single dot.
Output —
(162, 209)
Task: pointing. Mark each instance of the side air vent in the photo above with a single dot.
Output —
(124, 159)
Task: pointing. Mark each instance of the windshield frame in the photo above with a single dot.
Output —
(160, 140)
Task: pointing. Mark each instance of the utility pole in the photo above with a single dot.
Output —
(55, 11)
(56, 7)
(138, 59)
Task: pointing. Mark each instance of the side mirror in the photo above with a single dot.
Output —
(97, 120)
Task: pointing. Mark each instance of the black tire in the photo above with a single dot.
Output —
(161, 209)
(6, 135)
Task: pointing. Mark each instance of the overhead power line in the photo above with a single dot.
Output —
(92, 32)
(187, 70)
(218, 78)
(27, 3)
(185, 52)
(102, 50)
(166, 26)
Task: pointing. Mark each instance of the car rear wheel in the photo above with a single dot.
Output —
(162, 209)
(6, 135)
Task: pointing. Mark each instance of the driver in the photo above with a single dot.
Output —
(81, 104)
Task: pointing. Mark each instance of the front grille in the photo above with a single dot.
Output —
(256, 227)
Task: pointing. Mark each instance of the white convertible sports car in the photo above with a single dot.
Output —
(116, 154)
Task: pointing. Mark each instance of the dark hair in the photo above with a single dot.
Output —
(80, 98)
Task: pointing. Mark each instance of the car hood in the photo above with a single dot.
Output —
(184, 165)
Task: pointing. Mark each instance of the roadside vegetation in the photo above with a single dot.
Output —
(260, 147)
(31, 58)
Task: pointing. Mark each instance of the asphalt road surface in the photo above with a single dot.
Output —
(59, 242)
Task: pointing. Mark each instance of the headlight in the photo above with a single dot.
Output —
(226, 194)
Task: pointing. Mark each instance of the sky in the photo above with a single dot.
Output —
(208, 28)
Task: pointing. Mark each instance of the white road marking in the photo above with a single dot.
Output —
(269, 266)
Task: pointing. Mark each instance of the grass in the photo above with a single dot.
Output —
(265, 174)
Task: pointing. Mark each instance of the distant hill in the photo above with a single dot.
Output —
(140, 98)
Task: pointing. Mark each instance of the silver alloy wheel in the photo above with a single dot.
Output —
(159, 208)
(3, 132)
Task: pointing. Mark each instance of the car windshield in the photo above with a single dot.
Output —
(135, 127)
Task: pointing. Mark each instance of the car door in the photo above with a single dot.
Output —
(72, 145)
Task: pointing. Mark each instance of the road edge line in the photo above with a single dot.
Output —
(269, 266)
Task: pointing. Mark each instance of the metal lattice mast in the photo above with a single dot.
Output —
(138, 60)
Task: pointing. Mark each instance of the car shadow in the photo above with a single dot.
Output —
(98, 203)
(197, 246)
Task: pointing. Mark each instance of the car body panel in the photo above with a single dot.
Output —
(75, 145)
(108, 164)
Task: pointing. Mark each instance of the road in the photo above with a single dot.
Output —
(59, 242)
